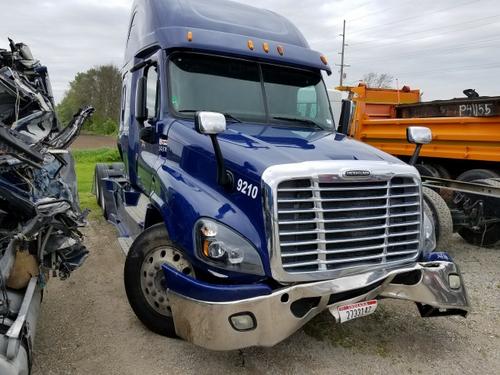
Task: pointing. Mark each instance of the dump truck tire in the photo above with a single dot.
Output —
(427, 170)
(144, 280)
(441, 216)
(488, 234)
(442, 171)
(477, 174)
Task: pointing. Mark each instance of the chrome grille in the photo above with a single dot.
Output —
(328, 226)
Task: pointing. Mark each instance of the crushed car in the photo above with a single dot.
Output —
(40, 216)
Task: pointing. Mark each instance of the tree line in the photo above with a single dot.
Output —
(99, 87)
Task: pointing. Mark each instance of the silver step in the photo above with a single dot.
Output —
(138, 213)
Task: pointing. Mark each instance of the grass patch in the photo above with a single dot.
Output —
(85, 161)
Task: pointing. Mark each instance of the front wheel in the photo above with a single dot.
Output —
(145, 282)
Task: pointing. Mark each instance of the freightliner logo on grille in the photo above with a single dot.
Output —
(357, 173)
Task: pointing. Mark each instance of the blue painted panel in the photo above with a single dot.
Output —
(218, 26)
(199, 290)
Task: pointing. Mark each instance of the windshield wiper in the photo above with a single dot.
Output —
(300, 120)
(227, 115)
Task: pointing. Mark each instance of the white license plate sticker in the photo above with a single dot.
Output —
(354, 310)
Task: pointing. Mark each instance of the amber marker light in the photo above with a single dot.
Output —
(281, 50)
(265, 46)
(324, 59)
(190, 36)
(250, 45)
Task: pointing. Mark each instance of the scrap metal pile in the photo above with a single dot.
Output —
(40, 215)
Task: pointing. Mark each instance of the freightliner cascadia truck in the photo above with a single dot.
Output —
(243, 213)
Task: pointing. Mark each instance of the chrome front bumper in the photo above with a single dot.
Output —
(281, 313)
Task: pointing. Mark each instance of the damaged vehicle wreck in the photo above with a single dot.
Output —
(40, 215)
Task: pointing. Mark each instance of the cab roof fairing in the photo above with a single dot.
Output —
(219, 26)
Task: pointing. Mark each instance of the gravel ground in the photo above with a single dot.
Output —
(87, 327)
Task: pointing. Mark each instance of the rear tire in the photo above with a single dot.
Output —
(440, 214)
(487, 234)
(442, 171)
(477, 174)
(427, 170)
(144, 280)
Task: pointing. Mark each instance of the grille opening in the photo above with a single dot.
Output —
(292, 184)
(297, 227)
(405, 228)
(353, 194)
(291, 206)
(298, 237)
(337, 256)
(354, 244)
(295, 195)
(353, 204)
(354, 235)
(296, 217)
(301, 258)
(354, 224)
(345, 265)
(350, 214)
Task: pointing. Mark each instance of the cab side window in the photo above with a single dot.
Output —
(152, 92)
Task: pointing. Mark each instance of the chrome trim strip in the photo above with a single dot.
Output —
(333, 171)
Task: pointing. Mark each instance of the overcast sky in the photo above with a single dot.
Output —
(439, 46)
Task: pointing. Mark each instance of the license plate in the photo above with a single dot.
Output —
(354, 310)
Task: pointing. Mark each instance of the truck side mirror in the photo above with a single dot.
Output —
(345, 117)
(418, 135)
(210, 123)
(141, 111)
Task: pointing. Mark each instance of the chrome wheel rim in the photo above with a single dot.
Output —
(153, 280)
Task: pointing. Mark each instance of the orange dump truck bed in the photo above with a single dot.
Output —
(467, 128)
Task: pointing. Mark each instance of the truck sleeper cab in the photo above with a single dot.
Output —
(242, 212)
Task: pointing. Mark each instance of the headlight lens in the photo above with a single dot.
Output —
(429, 236)
(222, 247)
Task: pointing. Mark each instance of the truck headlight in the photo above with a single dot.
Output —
(222, 247)
(429, 236)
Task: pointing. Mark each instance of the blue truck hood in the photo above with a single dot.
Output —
(259, 146)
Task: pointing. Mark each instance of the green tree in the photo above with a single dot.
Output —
(99, 87)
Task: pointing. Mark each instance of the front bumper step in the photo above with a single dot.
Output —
(279, 314)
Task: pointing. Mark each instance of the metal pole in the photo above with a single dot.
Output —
(342, 57)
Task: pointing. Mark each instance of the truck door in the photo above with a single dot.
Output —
(147, 153)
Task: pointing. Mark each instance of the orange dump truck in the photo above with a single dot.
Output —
(463, 157)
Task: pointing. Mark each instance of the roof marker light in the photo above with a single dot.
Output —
(281, 50)
(324, 60)
(265, 46)
(190, 36)
(250, 45)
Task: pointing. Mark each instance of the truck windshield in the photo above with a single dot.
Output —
(238, 89)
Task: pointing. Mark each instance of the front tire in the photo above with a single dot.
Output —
(144, 280)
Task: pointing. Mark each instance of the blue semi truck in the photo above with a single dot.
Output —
(243, 213)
